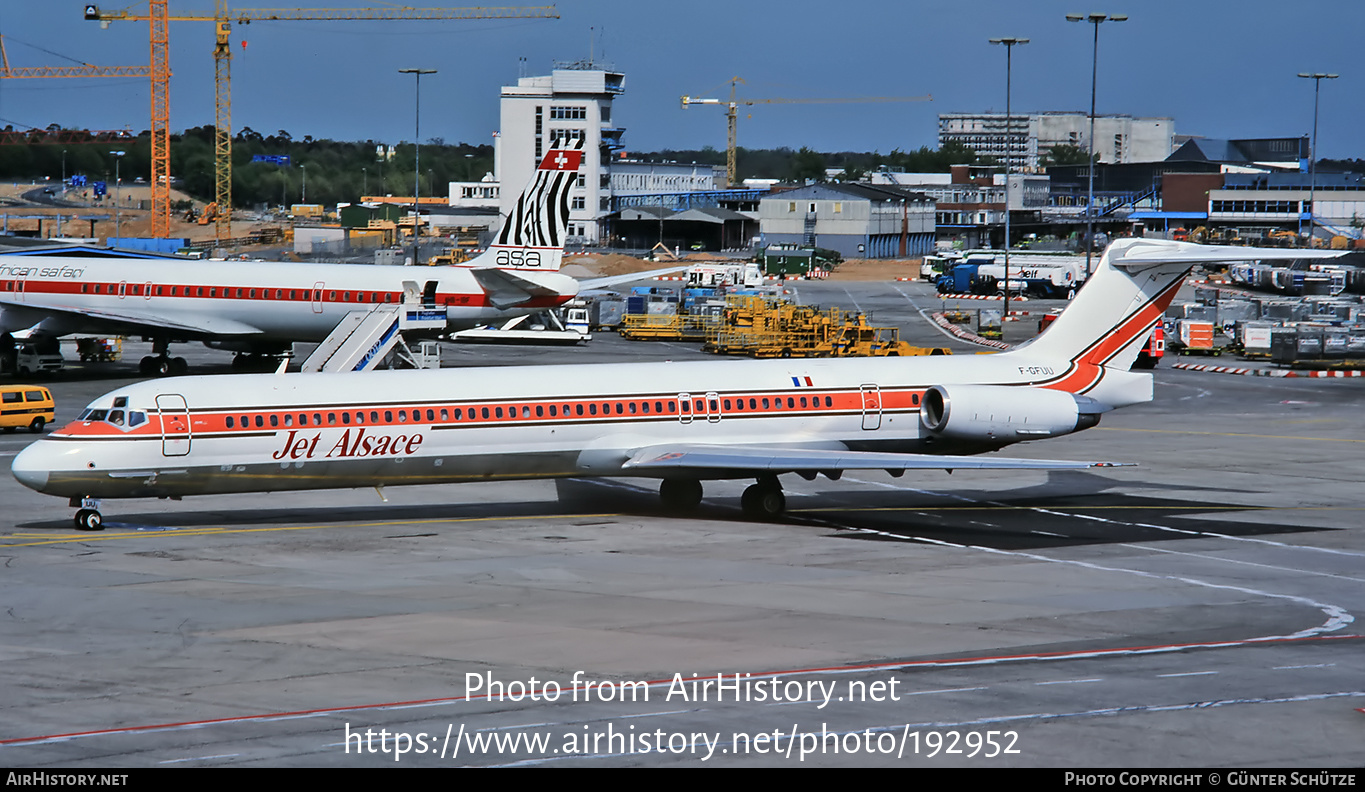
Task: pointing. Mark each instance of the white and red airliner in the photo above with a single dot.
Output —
(682, 423)
(262, 307)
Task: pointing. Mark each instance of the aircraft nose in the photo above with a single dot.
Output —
(29, 468)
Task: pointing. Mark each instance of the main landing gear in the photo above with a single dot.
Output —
(89, 517)
(160, 363)
(252, 361)
(763, 500)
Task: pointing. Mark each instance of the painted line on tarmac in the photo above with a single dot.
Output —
(1337, 617)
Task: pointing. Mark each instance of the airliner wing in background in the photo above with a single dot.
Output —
(507, 288)
(728, 458)
(87, 320)
(614, 280)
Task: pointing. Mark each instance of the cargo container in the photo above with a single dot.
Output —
(1195, 336)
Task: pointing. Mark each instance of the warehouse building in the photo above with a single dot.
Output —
(857, 220)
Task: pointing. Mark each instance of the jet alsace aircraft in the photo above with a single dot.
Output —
(679, 422)
(262, 307)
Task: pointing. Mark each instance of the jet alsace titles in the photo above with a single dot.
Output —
(682, 423)
(263, 307)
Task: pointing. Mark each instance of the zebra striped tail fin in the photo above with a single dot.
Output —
(532, 236)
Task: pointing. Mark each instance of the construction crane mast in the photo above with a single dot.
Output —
(158, 18)
(732, 114)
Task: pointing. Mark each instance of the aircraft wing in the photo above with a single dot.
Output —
(742, 458)
(506, 289)
(194, 326)
(613, 280)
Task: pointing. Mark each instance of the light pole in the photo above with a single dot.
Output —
(118, 191)
(1009, 44)
(365, 180)
(417, 159)
(1317, 78)
(1094, 19)
(303, 191)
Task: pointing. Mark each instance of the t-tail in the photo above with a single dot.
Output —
(532, 236)
(1093, 344)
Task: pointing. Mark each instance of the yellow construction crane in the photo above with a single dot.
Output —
(84, 70)
(732, 106)
(158, 17)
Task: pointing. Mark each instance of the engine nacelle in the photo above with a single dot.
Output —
(996, 415)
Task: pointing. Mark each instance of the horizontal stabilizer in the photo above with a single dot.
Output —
(1163, 252)
(776, 460)
(506, 289)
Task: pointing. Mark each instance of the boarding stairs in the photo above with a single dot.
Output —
(364, 339)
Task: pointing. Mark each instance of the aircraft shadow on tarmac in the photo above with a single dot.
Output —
(1070, 509)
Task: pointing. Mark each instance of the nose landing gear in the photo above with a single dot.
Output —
(89, 517)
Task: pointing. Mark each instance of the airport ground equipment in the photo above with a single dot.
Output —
(545, 327)
(802, 261)
(99, 350)
(687, 325)
(363, 339)
(1195, 337)
(984, 274)
(768, 327)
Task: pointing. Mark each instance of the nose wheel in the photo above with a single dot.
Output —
(89, 517)
(89, 520)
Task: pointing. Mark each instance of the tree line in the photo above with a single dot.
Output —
(330, 171)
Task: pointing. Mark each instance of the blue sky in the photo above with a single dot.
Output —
(1220, 68)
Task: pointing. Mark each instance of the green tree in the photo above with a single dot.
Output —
(808, 165)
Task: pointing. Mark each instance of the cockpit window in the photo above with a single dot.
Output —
(120, 401)
(95, 415)
(116, 417)
(136, 418)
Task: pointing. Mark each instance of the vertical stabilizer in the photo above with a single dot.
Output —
(1134, 284)
(532, 236)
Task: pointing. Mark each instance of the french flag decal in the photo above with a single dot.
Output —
(802, 382)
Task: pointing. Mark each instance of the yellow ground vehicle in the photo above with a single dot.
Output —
(26, 405)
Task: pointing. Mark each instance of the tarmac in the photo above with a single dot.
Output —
(1195, 611)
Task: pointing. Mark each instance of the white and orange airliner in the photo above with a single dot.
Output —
(260, 308)
(682, 423)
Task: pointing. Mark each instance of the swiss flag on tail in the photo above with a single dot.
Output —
(562, 160)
